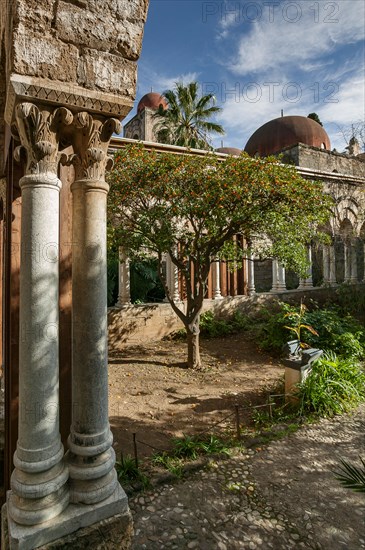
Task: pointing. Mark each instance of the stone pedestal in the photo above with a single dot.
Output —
(106, 525)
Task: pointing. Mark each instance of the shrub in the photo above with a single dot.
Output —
(213, 326)
(339, 333)
(333, 386)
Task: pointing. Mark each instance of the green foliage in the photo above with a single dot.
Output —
(351, 299)
(342, 334)
(333, 386)
(315, 117)
(189, 448)
(128, 472)
(186, 447)
(213, 326)
(112, 277)
(186, 121)
(191, 206)
(145, 283)
(351, 476)
(268, 327)
(299, 325)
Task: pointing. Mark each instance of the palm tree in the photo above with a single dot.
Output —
(185, 122)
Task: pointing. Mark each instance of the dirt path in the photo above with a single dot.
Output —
(152, 395)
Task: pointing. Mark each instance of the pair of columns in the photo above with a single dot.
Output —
(249, 269)
(45, 481)
(278, 275)
(124, 288)
(349, 260)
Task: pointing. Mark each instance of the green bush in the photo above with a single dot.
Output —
(334, 385)
(342, 334)
(215, 327)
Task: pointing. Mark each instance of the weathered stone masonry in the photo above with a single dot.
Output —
(68, 76)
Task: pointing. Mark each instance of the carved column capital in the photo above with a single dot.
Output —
(38, 129)
(91, 141)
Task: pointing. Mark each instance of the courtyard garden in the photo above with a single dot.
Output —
(164, 415)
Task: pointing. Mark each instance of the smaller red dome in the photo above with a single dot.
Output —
(229, 151)
(152, 100)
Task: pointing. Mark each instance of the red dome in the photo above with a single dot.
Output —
(152, 101)
(229, 151)
(286, 131)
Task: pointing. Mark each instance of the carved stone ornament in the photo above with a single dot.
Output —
(39, 130)
(91, 139)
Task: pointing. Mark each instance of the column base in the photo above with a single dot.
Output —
(107, 524)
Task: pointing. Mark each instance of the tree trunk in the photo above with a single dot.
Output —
(193, 346)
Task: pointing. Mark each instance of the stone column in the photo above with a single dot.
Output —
(91, 457)
(38, 484)
(347, 263)
(174, 281)
(326, 264)
(251, 275)
(281, 277)
(278, 276)
(307, 282)
(332, 265)
(274, 275)
(168, 274)
(217, 281)
(353, 267)
(124, 281)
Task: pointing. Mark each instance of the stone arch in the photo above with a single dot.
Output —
(346, 208)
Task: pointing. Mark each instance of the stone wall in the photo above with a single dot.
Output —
(327, 161)
(138, 324)
(80, 53)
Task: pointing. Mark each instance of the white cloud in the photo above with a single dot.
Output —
(336, 106)
(300, 43)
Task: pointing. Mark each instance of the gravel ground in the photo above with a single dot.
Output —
(280, 496)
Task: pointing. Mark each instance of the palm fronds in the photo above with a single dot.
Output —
(351, 476)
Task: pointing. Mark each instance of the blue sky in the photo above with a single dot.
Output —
(259, 57)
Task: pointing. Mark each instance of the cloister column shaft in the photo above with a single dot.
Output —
(39, 491)
(91, 457)
(325, 264)
(278, 275)
(124, 280)
(174, 280)
(251, 275)
(347, 263)
(332, 265)
(217, 281)
(353, 268)
(274, 275)
(307, 282)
